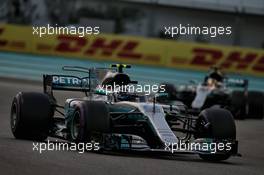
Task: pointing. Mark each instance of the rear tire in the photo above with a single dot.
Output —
(31, 116)
(89, 117)
(255, 104)
(238, 104)
(215, 123)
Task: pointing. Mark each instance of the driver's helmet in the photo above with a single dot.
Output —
(215, 76)
(116, 78)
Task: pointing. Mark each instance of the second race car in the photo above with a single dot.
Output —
(219, 90)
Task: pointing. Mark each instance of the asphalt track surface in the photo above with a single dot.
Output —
(17, 156)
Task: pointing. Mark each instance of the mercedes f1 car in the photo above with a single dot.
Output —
(120, 120)
(217, 89)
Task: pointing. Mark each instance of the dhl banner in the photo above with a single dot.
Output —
(134, 50)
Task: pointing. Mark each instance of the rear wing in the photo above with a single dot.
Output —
(66, 82)
(237, 83)
(70, 83)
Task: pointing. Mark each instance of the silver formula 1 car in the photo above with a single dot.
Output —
(231, 93)
(120, 121)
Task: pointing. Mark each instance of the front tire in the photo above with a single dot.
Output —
(215, 123)
(89, 117)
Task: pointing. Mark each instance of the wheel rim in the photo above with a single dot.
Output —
(14, 117)
(75, 125)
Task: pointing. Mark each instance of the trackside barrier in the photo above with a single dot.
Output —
(134, 50)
